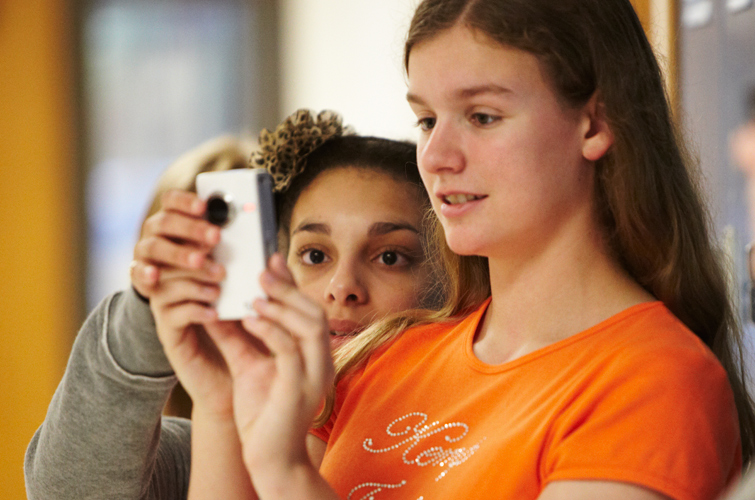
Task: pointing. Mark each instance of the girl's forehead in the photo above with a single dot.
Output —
(357, 194)
(459, 61)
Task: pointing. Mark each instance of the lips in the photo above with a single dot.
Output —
(456, 204)
(343, 327)
(459, 198)
(341, 331)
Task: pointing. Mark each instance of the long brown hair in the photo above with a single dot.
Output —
(646, 187)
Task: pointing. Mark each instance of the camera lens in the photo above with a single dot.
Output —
(218, 210)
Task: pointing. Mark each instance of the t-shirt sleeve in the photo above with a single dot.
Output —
(668, 426)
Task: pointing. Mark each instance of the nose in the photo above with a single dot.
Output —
(346, 287)
(441, 150)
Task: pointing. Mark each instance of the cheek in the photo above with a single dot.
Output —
(393, 295)
(313, 288)
(423, 173)
(524, 169)
(427, 185)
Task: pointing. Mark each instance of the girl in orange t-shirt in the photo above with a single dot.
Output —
(586, 349)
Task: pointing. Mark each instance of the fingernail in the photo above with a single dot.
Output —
(212, 235)
(260, 305)
(215, 269)
(251, 320)
(150, 273)
(196, 206)
(267, 277)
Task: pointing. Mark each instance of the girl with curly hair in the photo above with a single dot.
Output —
(351, 224)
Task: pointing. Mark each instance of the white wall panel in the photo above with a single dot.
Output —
(346, 55)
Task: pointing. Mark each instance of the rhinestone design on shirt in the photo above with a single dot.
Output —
(447, 458)
(377, 488)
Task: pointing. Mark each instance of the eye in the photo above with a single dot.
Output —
(392, 258)
(312, 256)
(484, 119)
(389, 258)
(426, 124)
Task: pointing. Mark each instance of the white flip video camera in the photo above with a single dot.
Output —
(241, 203)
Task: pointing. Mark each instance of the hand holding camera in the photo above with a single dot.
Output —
(240, 203)
(175, 240)
(198, 245)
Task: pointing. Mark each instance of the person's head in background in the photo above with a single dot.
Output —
(742, 149)
(217, 154)
(743, 142)
(350, 210)
(351, 216)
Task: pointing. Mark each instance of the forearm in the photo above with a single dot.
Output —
(300, 481)
(132, 338)
(217, 466)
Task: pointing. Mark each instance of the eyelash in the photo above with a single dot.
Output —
(493, 118)
(302, 252)
(422, 122)
(401, 254)
(409, 260)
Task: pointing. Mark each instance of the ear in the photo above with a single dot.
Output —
(597, 135)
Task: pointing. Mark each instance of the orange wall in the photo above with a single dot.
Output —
(642, 7)
(658, 17)
(39, 302)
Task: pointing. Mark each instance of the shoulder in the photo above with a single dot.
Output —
(652, 404)
(649, 339)
(648, 355)
(645, 370)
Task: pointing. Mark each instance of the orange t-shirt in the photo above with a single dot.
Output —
(637, 398)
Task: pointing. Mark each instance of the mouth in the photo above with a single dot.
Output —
(344, 328)
(459, 199)
(343, 335)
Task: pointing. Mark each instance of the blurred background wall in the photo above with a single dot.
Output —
(716, 75)
(98, 96)
(40, 265)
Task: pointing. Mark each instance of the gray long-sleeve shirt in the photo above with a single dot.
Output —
(103, 436)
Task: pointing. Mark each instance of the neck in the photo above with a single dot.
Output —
(543, 297)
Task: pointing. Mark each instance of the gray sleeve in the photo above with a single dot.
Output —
(103, 436)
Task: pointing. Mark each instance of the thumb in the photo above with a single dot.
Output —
(237, 347)
(277, 265)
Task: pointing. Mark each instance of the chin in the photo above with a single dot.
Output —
(463, 246)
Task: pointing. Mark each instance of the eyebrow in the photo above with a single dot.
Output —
(377, 229)
(466, 93)
(382, 228)
(312, 227)
(483, 89)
